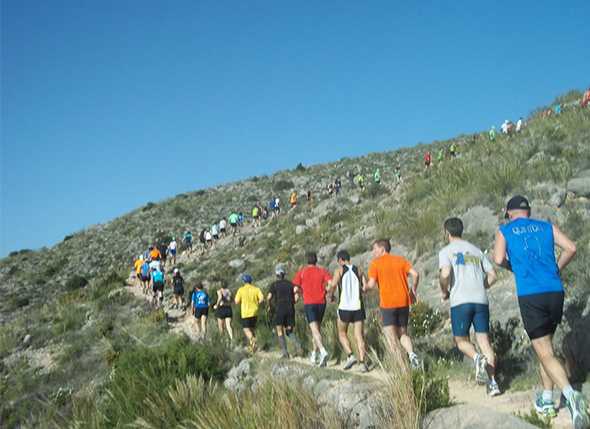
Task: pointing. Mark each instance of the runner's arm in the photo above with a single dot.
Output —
(415, 280)
(500, 252)
(568, 248)
(490, 279)
(371, 284)
(444, 279)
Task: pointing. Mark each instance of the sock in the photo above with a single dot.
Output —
(547, 396)
(568, 392)
(412, 355)
(283, 344)
(323, 351)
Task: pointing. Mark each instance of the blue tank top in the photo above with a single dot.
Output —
(531, 251)
(201, 299)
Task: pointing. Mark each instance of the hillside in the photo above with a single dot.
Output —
(67, 321)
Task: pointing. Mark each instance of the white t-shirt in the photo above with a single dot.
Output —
(519, 125)
(172, 245)
(214, 230)
(469, 266)
(207, 235)
(222, 224)
(155, 265)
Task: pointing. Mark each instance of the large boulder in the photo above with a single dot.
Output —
(480, 220)
(470, 416)
(580, 185)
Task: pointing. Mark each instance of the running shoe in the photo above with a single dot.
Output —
(364, 367)
(545, 408)
(481, 374)
(578, 407)
(492, 388)
(350, 362)
(313, 358)
(323, 359)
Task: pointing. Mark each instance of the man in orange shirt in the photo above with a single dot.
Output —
(390, 274)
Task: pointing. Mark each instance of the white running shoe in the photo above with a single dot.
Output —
(350, 362)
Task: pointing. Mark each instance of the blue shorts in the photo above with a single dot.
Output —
(464, 315)
(314, 312)
(173, 252)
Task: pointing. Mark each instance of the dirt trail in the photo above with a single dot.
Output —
(461, 391)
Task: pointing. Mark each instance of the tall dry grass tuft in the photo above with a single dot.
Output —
(399, 406)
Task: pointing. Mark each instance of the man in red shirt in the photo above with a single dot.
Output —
(312, 280)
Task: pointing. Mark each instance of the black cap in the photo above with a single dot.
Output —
(517, 202)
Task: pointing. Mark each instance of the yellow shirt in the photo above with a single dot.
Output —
(250, 297)
(138, 264)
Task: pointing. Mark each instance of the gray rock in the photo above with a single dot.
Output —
(471, 417)
(580, 185)
(236, 263)
(27, 340)
(480, 219)
(300, 229)
(355, 199)
(326, 252)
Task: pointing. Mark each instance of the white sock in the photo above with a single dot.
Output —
(323, 351)
(547, 396)
(412, 355)
(568, 392)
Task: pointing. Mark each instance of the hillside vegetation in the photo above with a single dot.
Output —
(77, 349)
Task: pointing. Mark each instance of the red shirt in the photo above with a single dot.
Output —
(312, 280)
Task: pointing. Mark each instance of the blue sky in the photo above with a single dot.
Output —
(109, 104)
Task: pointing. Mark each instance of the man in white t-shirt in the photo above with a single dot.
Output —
(172, 250)
(465, 274)
(519, 124)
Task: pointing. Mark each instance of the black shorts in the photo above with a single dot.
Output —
(284, 316)
(178, 291)
(224, 312)
(249, 322)
(158, 287)
(221, 230)
(541, 313)
(352, 316)
(145, 278)
(314, 312)
(395, 316)
(216, 236)
(200, 312)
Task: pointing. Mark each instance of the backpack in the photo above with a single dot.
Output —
(145, 269)
(178, 283)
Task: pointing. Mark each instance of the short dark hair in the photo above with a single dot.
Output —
(312, 258)
(454, 226)
(199, 285)
(343, 254)
(384, 243)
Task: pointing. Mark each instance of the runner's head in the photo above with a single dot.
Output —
(199, 286)
(176, 272)
(312, 258)
(453, 228)
(246, 278)
(518, 206)
(343, 257)
(381, 247)
(280, 272)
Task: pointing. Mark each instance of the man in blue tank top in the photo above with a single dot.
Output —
(526, 247)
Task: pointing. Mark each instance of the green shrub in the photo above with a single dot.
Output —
(283, 185)
(180, 211)
(148, 206)
(300, 167)
(424, 320)
(76, 282)
(535, 419)
(432, 391)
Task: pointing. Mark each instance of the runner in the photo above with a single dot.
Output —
(264, 213)
(188, 240)
(293, 199)
(172, 250)
(178, 289)
(361, 181)
(390, 274)
(377, 176)
(526, 247)
(256, 215)
(137, 266)
(222, 227)
(249, 297)
(312, 281)
(277, 206)
(427, 160)
(223, 310)
(145, 276)
(241, 219)
(215, 231)
(163, 248)
(440, 156)
(309, 196)
(351, 309)
(465, 274)
(519, 125)
(492, 134)
(200, 304)
(208, 238)
(453, 150)
(337, 185)
(155, 254)
(282, 296)
(585, 99)
(233, 222)
(157, 277)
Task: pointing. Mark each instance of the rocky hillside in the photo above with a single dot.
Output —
(56, 299)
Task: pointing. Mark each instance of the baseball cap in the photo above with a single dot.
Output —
(279, 270)
(517, 202)
(246, 278)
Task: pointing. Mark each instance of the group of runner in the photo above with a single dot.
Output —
(523, 245)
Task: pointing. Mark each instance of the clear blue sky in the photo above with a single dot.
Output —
(109, 104)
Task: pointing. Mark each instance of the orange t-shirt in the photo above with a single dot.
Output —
(391, 273)
(155, 254)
